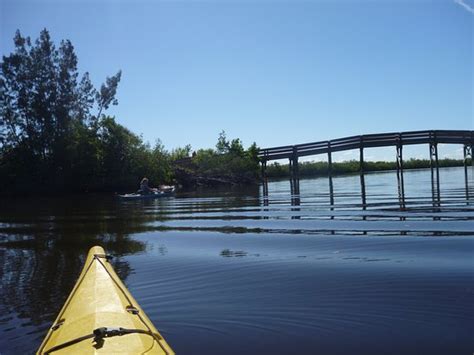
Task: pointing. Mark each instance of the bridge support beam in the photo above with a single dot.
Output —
(434, 166)
(362, 177)
(294, 177)
(295, 186)
(294, 173)
(293, 166)
(468, 150)
(264, 180)
(294, 163)
(400, 180)
(295, 197)
(331, 186)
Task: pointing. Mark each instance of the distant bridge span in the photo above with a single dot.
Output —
(396, 139)
(367, 141)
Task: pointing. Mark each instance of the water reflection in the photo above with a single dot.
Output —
(26, 275)
(295, 197)
(423, 200)
(43, 242)
(36, 279)
(42, 250)
(233, 253)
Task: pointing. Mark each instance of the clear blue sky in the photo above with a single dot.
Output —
(274, 72)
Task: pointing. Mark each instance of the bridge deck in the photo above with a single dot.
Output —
(368, 141)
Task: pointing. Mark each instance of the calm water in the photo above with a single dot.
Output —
(228, 271)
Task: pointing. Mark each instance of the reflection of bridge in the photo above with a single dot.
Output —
(398, 140)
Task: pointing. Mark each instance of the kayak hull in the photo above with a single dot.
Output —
(100, 300)
(134, 196)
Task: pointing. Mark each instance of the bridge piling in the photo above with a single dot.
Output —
(331, 186)
(294, 163)
(434, 166)
(296, 168)
(362, 169)
(295, 197)
(294, 172)
(400, 180)
(467, 150)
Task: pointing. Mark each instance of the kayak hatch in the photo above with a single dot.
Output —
(100, 316)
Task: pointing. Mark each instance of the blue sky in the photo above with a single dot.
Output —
(274, 72)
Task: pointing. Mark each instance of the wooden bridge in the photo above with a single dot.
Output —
(396, 139)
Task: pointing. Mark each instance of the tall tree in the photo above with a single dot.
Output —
(42, 97)
(44, 104)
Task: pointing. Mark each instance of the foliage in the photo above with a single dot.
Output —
(230, 160)
(54, 135)
(180, 153)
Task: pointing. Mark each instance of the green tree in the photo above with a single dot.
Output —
(222, 145)
(45, 109)
(180, 152)
(236, 148)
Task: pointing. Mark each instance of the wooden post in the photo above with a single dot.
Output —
(362, 178)
(295, 197)
(290, 162)
(434, 166)
(331, 186)
(400, 181)
(294, 174)
(296, 168)
(295, 162)
(467, 154)
(296, 179)
(264, 179)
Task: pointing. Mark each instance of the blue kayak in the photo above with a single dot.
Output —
(156, 194)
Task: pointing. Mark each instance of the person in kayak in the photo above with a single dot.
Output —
(144, 188)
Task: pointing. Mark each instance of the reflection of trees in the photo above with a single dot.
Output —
(44, 242)
(35, 283)
(227, 253)
(71, 220)
(36, 280)
(44, 248)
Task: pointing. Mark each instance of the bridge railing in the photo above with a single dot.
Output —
(368, 141)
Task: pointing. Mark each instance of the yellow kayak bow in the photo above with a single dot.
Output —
(100, 316)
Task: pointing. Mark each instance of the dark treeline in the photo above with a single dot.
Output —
(56, 137)
(277, 170)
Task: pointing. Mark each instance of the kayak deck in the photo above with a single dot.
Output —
(100, 303)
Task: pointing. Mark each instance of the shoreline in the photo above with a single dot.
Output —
(181, 188)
